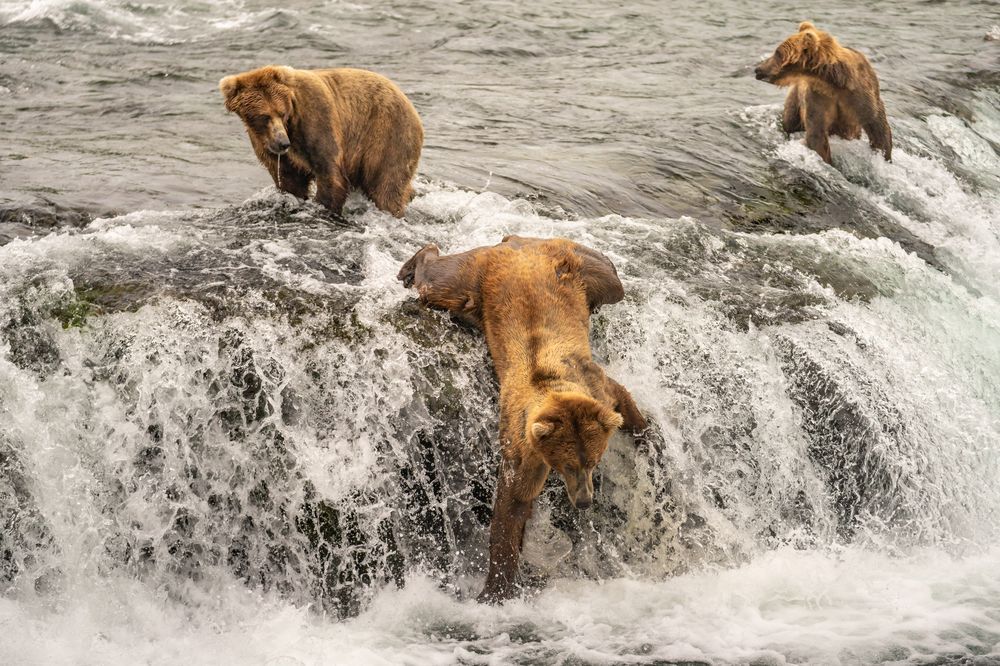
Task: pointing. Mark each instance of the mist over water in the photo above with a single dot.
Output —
(228, 435)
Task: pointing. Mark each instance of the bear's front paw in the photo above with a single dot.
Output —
(499, 587)
(408, 273)
(494, 596)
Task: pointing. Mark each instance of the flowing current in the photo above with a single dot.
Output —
(229, 436)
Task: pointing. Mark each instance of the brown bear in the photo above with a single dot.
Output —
(834, 90)
(341, 128)
(533, 298)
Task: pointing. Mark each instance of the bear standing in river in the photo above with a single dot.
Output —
(533, 298)
(834, 90)
(341, 128)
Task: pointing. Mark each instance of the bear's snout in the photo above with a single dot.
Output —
(580, 488)
(767, 69)
(281, 144)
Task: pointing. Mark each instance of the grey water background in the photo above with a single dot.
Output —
(227, 433)
(600, 109)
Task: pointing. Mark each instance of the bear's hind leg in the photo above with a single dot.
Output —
(391, 191)
(449, 282)
(414, 267)
(877, 128)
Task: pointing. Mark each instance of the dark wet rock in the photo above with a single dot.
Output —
(524, 633)
(852, 433)
(26, 540)
(31, 346)
(123, 282)
(760, 281)
(796, 203)
(41, 217)
(451, 631)
(344, 562)
(24, 325)
(242, 501)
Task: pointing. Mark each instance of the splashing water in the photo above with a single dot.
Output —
(308, 435)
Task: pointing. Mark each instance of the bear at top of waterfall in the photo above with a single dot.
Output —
(533, 299)
(342, 128)
(834, 90)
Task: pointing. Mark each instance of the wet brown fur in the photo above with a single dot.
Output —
(533, 298)
(834, 90)
(346, 128)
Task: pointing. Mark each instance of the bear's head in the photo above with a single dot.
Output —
(264, 99)
(808, 52)
(571, 431)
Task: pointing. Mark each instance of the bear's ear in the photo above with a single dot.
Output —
(229, 85)
(541, 429)
(810, 41)
(280, 73)
(806, 25)
(611, 419)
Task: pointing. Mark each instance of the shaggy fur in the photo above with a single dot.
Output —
(834, 90)
(341, 128)
(533, 298)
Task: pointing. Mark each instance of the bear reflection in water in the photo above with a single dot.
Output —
(339, 128)
(533, 299)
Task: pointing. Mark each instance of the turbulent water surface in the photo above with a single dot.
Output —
(228, 435)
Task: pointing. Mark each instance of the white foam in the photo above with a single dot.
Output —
(788, 606)
(69, 248)
(972, 150)
(140, 22)
(918, 192)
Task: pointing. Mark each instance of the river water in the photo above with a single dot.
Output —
(228, 435)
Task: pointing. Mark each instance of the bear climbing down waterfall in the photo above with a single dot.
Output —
(339, 128)
(533, 299)
(834, 90)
